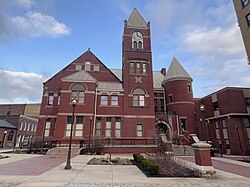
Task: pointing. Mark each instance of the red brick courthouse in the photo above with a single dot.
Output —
(134, 109)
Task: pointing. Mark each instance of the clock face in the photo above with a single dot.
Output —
(137, 36)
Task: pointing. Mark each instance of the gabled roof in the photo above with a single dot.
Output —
(136, 20)
(6, 124)
(176, 71)
(80, 76)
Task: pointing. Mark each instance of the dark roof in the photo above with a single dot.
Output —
(6, 124)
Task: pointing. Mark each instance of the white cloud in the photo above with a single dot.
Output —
(217, 41)
(28, 23)
(35, 24)
(20, 86)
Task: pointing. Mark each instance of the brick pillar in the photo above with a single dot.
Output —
(202, 154)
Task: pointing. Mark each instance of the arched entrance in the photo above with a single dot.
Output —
(163, 131)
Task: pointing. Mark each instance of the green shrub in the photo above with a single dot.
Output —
(154, 169)
(135, 156)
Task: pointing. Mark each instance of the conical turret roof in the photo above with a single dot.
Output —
(176, 71)
(136, 20)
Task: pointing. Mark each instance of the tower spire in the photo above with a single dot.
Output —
(136, 20)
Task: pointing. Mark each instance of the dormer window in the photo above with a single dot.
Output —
(87, 66)
(137, 41)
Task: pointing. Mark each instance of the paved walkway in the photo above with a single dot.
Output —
(227, 165)
(83, 175)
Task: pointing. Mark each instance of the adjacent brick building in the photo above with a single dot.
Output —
(242, 8)
(23, 119)
(132, 109)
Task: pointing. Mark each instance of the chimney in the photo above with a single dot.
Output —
(163, 71)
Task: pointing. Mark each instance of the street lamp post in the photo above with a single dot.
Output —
(4, 134)
(204, 126)
(237, 130)
(68, 166)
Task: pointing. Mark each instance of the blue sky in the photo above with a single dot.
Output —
(40, 37)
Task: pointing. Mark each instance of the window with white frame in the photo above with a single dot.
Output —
(117, 127)
(144, 68)
(79, 126)
(78, 92)
(114, 100)
(138, 68)
(98, 127)
(104, 100)
(96, 68)
(139, 130)
(87, 66)
(50, 98)
(138, 98)
(58, 98)
(25, 126)
(244, 3)
(47, 127)
(68, 126)
(78, 67)
(131, 67)
(28, 127)
(108, 127)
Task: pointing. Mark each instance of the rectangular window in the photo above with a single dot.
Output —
(170, 98)
(68, 126)
(162, 105)
(224, 124)
(132, 68)
(98, 127)
(74, 94)
(138, 68)
(135, 100)
(216, 106)
(108, 127)
(96, 68)
(118, 127)
(156, 105)
(247, 122)
(79, 126)
(51, 98)
(247, 101)
(58, 99)
(78, 67)
(244, 3)
(28, 127)
(144, 68)
(139, 130)
(81, 97)
(216, 124)
(189, 88)
(104, 100)
(114, 100)
(47, 127)
(142, 98)
(248, 19)
(183, 124)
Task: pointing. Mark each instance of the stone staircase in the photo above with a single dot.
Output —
(182, 150)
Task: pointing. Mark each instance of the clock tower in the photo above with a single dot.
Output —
(137, 75)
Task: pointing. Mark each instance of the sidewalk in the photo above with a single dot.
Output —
(83, 175)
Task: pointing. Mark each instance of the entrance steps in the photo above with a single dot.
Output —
(63, 151)
(182, 150)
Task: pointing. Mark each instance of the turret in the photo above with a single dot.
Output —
(179, 97)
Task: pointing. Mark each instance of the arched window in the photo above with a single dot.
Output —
(140, 45)
(138, 97)
(77, 92)
(134, 45)
(87, 66)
